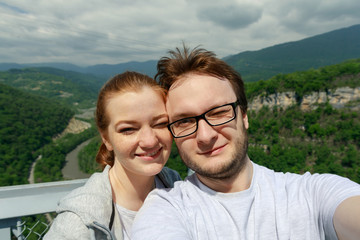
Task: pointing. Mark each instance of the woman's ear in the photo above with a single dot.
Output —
(108, 145)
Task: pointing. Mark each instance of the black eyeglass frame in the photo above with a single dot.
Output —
(202, 116)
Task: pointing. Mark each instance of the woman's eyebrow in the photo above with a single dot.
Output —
(130, 122)
(161, 116)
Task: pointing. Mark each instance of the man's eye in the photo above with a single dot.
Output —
(185, 123)
(219, 113)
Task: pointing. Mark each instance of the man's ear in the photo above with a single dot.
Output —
(108, 145)
(245, 120)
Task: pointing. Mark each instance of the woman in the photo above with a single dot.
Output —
(132, 121)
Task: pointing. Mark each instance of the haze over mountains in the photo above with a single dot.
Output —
(317, 51)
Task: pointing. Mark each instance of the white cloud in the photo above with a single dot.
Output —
(87, 32)
(234, 15)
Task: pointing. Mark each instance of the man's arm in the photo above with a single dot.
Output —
(347, 219)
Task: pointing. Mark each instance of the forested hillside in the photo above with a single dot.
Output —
(71, 88)
(39, 107)
(314, 52)
(344, 74)
(321, 140)
(27, 123)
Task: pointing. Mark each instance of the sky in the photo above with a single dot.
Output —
(89, 32)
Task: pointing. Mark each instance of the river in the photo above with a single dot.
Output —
(71, 169)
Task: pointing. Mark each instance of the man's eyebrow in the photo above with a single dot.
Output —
(179, 116)
(183, 115)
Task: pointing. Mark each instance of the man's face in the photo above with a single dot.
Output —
(216, 152)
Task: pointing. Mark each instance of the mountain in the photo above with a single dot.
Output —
(317, 51)
(63, 66)
(313, 52)
(101, 70)
(71, 88)
(107, 70)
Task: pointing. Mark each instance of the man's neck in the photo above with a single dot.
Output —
(239, 182)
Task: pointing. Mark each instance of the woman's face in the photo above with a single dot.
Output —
(137, 132)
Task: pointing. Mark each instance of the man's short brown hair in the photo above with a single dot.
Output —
(198, 61)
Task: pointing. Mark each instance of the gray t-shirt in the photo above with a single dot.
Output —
(276, 206)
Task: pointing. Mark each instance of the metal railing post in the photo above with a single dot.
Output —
(19, 229)
(5, 228)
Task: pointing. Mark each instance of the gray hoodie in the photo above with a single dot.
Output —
(88, 212)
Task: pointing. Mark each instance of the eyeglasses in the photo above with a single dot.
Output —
(214, 117)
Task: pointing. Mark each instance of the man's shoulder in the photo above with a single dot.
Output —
(295, 181)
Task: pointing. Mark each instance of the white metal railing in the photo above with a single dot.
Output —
(30, 199)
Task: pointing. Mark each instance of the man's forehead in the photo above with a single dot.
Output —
(196, 93)
(180, 80)
(178, 107)
(192, 80)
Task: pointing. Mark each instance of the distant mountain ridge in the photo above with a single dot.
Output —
(99, 70)
(313, 52)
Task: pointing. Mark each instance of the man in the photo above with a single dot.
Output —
(229, 196)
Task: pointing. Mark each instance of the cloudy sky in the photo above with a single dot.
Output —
(88, 32)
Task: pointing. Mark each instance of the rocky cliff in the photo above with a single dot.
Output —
(74, 126)
(337, 98)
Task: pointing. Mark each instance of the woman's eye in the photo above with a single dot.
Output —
(161, 124)
(127, 131)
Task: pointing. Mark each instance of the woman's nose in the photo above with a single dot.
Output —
(147, 138)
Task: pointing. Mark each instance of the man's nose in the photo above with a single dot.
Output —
(205, 133)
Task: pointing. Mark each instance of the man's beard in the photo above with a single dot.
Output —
(228, 169)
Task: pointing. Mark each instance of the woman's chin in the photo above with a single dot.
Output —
(153, 169)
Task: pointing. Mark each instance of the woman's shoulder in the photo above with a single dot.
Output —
(97, 183)
(67, 225)
(95, 192)
(170, 176)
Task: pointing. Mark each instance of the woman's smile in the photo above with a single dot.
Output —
(151, 155)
